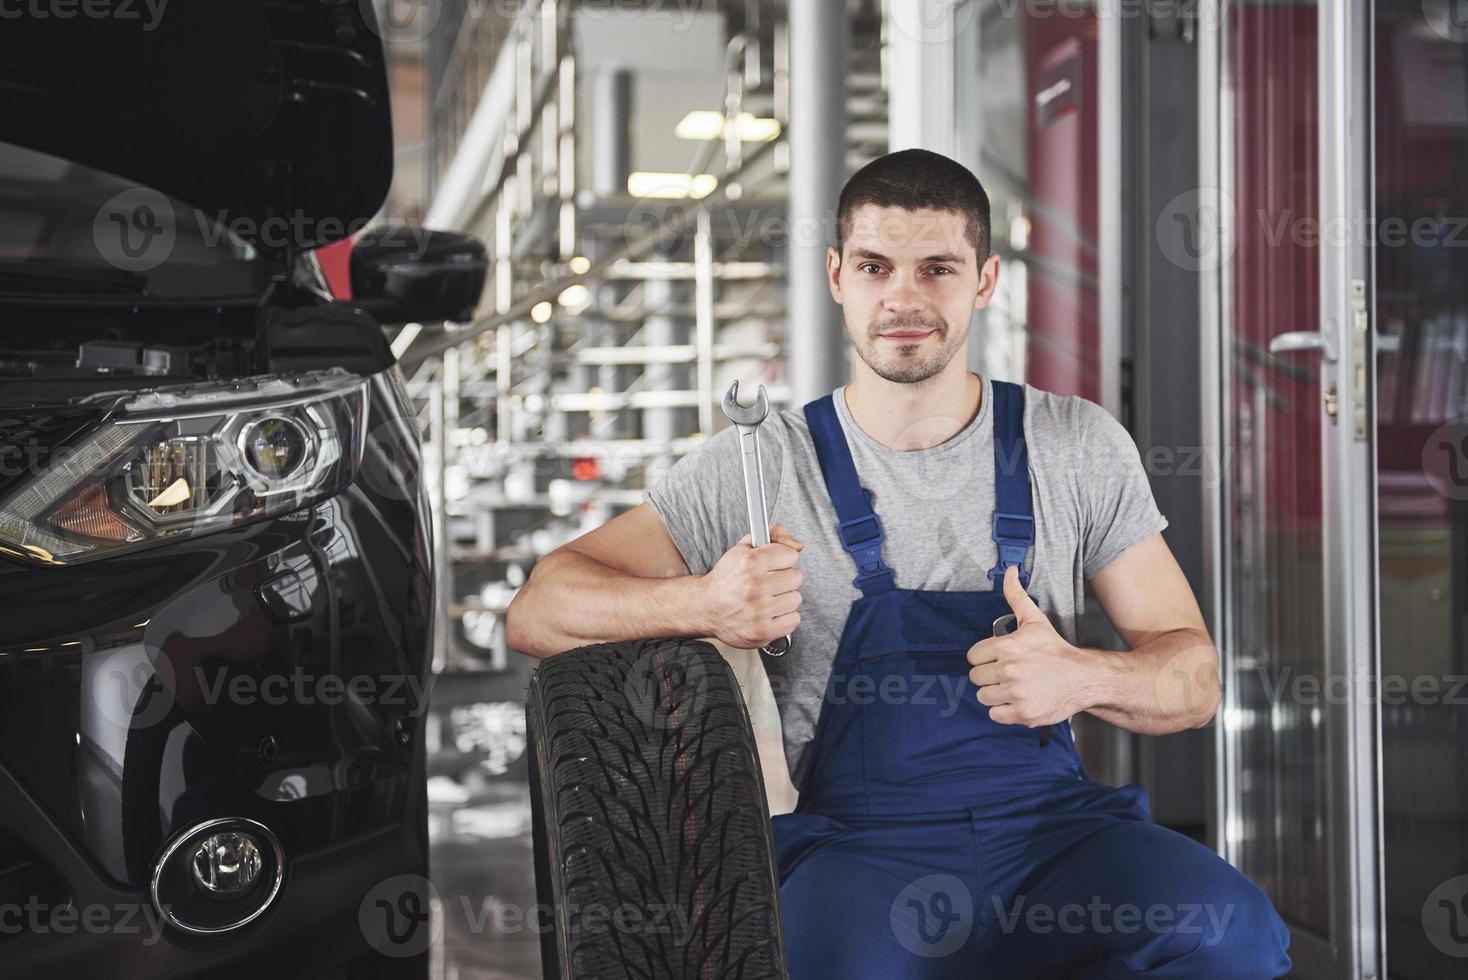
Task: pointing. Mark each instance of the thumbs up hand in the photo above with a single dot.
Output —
(1031, 676)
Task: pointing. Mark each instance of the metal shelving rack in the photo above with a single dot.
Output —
(612, 323)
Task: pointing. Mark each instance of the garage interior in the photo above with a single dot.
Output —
(636, 170)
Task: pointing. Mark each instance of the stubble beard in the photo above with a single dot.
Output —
(900, 367)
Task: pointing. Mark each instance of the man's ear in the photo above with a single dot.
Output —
(988, 281)
(833, 273)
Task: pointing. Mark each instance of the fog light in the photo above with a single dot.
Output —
(218, 876)
(227, 864)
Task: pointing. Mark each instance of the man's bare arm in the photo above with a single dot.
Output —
(1168, 680)
(626, 580)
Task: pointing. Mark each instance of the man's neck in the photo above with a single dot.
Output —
(915, 416)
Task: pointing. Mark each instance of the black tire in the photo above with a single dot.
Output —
(652, 830)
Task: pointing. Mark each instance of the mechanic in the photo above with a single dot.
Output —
(945, 827)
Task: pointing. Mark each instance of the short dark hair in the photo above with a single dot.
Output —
(915, 179)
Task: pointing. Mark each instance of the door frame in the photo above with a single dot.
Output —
(1347, 284)
(1348, 450)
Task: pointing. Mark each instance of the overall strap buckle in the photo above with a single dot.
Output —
(858, 527)
(862, 539)
(1013, 533)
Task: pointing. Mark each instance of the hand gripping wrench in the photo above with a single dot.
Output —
(747, 420)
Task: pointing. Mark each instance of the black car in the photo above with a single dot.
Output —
(216, 591)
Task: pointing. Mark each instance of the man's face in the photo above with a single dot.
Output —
(908, 283)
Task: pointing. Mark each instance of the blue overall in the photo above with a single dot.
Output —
(932, 842)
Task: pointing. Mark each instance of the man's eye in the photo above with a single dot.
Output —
(870, 265)
(941, 268)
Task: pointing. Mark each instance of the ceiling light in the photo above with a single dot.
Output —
(705, 124)
(644, 183)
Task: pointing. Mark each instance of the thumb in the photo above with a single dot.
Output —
(1025, 610)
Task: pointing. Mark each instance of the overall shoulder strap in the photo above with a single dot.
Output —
(1014, 519)
(857, 525)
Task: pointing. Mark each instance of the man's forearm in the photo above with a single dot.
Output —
(572, 599)
(1164, 685)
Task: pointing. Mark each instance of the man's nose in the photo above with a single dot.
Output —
(902, 295)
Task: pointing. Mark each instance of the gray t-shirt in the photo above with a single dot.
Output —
(1089, 493)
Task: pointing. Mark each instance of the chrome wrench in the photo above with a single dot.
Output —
(747, 420)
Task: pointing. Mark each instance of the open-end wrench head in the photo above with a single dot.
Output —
(745, 414)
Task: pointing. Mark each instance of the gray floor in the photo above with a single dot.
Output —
(479, 828)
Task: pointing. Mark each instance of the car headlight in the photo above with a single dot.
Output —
(184, 461)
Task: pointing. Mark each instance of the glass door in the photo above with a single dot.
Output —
(1421, 201)
(1288, 270)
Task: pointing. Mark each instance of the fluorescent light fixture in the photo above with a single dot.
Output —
(705, 124)
(406, 336)
(647, 183)
(575, 298)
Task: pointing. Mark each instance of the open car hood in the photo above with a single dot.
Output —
(271, 118)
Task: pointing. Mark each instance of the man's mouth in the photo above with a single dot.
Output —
(907, 335)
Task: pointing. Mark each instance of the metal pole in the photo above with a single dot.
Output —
(611, 153)
(817, 355)
(438, 494)
(663, 329)
(703, 319)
